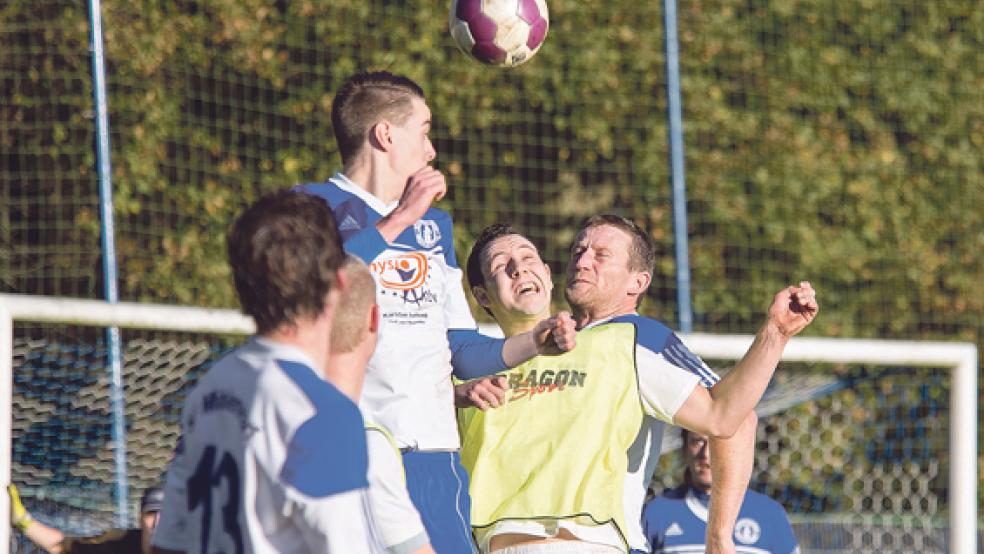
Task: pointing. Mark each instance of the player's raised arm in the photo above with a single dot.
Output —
(720, 410)
(476, 355)
(424, 187)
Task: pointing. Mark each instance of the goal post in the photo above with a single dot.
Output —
(54, 310)
(959, 359)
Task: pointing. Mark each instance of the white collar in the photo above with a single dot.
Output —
(606, 320)
(346, 184)
(696, 506)
(288, 352)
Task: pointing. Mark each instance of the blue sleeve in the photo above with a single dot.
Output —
(367, 244)
(784, 541)
(650, 528)
(475, 355)
(327, 454)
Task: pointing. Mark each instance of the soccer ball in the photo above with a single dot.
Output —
(499, 32)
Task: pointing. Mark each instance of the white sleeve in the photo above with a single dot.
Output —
(668, 377)
(393, 513)
(171, 532)
(336, 523)
(456, 310)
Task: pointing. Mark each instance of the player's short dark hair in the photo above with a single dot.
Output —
(363, 101)
(642, 256)
(285, 252)
(473, 268)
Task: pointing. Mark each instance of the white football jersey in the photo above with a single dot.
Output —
(408, 386)
(272, 458)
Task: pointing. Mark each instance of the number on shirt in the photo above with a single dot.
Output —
(200, 494)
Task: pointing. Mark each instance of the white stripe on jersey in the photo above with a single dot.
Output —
(679, 355)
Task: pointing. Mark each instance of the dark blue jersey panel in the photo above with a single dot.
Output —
(327, 454)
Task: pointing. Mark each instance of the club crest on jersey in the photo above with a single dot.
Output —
(427, 232)
(747, 531)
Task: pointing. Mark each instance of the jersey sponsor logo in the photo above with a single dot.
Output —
(747, 531)
(673, 530)
(427, 232)
(404, 272)
(545, 381)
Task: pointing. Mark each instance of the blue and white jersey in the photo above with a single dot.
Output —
(272, 459)
(668, 372)
(667, 375)
(676, 522)
(408, 387)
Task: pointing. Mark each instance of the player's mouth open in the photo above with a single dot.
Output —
(525, 288)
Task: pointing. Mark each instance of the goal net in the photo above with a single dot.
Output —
(870, 445)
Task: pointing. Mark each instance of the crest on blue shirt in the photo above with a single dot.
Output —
(427, 232)
(747, 531)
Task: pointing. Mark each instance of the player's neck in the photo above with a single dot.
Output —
(586, 315)
(516, 322)
(374, 175)
(516, 325)
(309, 337)
(345, 372)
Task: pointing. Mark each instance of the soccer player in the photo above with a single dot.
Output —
(54, 541)
(676, 521)
(563, 465)
(272, 457)
(382, 201)
(355, 330)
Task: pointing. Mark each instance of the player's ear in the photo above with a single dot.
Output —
(374, 318)
(640, 282)
(341, 280)
(481, 296)
(381, 135)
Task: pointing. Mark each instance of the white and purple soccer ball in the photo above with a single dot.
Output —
(499, 32)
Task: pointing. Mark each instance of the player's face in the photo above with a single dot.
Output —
(517, 281)
(412, 145)
(598, 275)
(697, 458)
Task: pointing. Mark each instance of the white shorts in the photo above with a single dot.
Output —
(395, 518)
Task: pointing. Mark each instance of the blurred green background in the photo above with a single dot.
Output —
(833, 140)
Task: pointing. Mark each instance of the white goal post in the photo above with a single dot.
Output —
(960, 358)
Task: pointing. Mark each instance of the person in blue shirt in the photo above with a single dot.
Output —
(676, 520)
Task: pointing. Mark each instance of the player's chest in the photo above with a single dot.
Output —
(415, 281)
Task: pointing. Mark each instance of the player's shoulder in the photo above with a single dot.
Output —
(438, 216)
(669, 495)
(762, 502)
(665, 503)
(327, 453)
(650, 333)
(328, 190)
(678, 492)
